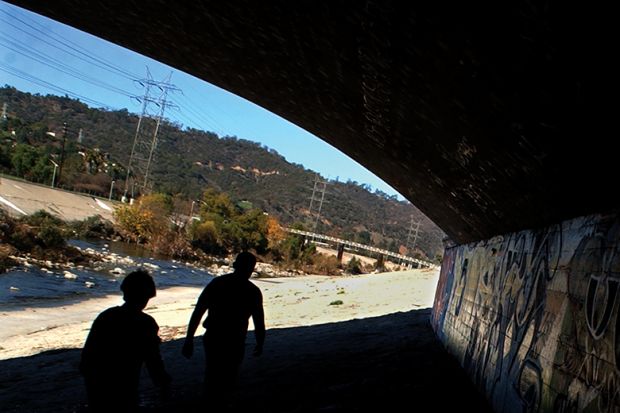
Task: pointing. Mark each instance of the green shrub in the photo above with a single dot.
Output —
(42, 217)
(354, 266)
(204, 235)
(51, 236)
(326, 264)
(92, 227)
(22, 238)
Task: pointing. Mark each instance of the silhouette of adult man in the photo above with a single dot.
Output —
(120, 341)
(230, 300)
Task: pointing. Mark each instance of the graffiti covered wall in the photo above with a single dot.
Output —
(533, 316)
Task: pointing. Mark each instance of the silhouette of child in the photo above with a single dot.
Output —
(121, 339)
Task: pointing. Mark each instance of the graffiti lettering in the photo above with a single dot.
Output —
(530, 386)
(538, 306)
(600, 302)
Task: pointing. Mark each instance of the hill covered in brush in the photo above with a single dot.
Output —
(189, 160)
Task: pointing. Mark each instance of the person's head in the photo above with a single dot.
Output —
(244, 264)
(138, 288)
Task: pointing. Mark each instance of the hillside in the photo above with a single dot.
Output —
(189, 160)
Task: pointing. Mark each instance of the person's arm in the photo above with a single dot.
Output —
(91, 347)
(194, 321)
(153, 360)
(258, 317)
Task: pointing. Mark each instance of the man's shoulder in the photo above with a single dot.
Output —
(109, 313)
(254, 288)
(219, 280)
(148, 320)
(121, 315)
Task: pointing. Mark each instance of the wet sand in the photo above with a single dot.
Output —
(374, 352)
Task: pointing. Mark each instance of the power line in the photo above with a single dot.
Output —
(193, 113)
(95, 61)
(201, 123)
(61, 67)
(64, 40)
(203, 114)
(33, 79)
(61, 49)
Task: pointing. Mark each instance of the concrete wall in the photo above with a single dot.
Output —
(533, 316)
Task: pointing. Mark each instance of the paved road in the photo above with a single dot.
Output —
(20, 198)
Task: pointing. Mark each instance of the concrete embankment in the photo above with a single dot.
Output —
(20, 198)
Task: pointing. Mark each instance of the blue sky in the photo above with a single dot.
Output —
(33, 49)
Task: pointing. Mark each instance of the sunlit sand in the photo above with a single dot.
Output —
(289, 302)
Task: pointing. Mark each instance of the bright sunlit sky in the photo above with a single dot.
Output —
(39, 55)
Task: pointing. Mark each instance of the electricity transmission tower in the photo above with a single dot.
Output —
(154, 104)
(319, 186)
(415, 238)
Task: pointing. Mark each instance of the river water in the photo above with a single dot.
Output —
(29, 285)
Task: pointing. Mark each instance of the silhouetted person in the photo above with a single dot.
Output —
(230, 300)
(120, 341)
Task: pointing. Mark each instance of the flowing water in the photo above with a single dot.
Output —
(29, 285)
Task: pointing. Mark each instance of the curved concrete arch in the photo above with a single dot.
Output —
(486, 115)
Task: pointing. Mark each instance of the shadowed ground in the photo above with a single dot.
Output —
(387, 363)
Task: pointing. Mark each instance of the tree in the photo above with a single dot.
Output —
(31, 163)
(275, 233)
(217, 204)
(363, 237)
(146, 219)
(250, 231)
(224, 227)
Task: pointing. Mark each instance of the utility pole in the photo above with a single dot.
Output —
(111, 188)
(54, 174)
(145, 139)
(62, 151)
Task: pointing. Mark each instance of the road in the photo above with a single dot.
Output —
(21, 198)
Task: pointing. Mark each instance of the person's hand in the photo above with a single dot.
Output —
(258, 351)
(188, 348)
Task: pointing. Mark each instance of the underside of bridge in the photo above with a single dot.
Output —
(487, 116)
(494, 118)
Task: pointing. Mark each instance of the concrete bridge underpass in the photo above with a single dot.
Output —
(496, 119)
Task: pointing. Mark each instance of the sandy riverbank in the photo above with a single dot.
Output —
(289, 302)
(374, 352)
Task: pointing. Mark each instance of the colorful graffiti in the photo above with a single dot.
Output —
(533, 316)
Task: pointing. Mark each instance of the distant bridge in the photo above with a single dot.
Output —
(403, 258)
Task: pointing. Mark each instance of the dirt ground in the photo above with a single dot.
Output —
(374, 352)
(380, 364)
